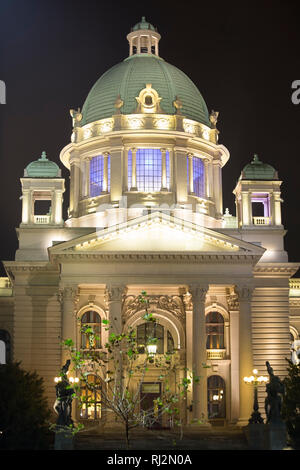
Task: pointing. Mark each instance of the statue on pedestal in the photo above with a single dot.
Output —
(275, 390)
(64, 397)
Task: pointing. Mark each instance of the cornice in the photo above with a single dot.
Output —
(276, 269)
(157, 257)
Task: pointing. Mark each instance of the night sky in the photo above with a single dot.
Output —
(243, 56)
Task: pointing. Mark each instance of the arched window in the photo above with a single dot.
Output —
(146, 331)
(214, 330)
(91, 319)
(91, 398)
(216, 403)
(5, 347)
(99, 175)
(148, 170)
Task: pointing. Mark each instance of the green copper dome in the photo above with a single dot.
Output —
(143, 24)
(129, 77)
(257, 170)
(42, 168)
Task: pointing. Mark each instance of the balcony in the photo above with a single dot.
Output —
(42, 219)
(261, 220)
(215, 353)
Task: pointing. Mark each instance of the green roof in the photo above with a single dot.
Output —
(143, 24)
(129, 77)
(42, 168)
(257, 170)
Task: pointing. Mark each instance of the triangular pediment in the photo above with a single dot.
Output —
(156, 233)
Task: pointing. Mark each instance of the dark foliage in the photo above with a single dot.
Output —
(23, 409)
(291, 402)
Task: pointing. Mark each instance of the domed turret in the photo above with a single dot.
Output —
(257, 170)
(42, 168)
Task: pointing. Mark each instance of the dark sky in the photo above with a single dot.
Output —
(243, 56)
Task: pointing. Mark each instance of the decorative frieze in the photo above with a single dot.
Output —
(170, 303)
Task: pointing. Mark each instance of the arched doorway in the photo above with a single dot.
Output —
(216, 399)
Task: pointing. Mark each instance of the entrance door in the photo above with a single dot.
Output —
(149, 392)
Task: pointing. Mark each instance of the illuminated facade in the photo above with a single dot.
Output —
(146, 214)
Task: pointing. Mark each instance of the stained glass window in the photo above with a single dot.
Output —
(97, 177)
(198, 176)
(148, 169)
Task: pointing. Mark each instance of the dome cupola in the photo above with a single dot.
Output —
(143, 38)
(42, 168)
(257, 170)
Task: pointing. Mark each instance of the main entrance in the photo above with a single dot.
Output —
(150, 391)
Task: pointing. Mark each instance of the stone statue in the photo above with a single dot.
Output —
(214, 118)
(63, 403)
(274, 389)
(76, 117)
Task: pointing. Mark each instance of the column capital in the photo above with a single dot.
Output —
(115, 292)
(198, 292)
(244, 292)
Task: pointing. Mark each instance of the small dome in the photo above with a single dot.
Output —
(143, 24)
(257, 170)
(42, 168)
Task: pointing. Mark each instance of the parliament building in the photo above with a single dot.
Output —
(145, 213)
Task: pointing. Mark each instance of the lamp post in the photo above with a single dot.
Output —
(255, 381)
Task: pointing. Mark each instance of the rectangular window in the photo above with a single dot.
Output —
(198, 177)
(148, 170)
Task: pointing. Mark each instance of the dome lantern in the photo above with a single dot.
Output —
(143, 38)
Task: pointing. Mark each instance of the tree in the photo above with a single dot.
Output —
(120, 370)
(24, 409)
(291, 402)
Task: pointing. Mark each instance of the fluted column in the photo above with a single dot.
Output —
(74, 183)
(245, 352)
(206, 178)
(198, 293)
(218, 196)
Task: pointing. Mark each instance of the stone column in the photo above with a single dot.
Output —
(191, 174)
(206, 178)
(105, 172)
(233, 307)
(74, 183)
(26, 206)
(246, 216)
(245, 353)
(163, 170)
(218, 196)
(57, 207)
(114, 296)
(133, 170)
(68, 299)
(198, 293)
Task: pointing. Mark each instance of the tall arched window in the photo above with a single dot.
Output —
(5, 347)
(146, 331)
(91, 398)
(214, 330)
(99, 175)
(216, 403)
(91, 319)
(148, 170)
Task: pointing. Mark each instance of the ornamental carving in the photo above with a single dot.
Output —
(198, 293)
(244, 293)
(115, 293)
(170, 303)
(233, 301)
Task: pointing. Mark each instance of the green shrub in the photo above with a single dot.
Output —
(23, 409)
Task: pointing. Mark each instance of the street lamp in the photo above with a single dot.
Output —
(255, 381)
